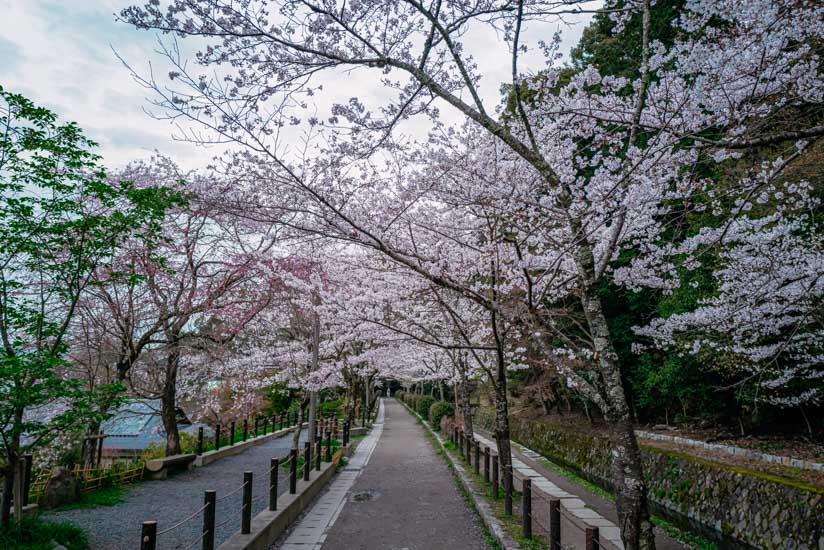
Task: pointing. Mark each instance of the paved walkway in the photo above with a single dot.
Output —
(396, 493)
(172, 500)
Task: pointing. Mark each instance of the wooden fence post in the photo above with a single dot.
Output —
(477, 457)
(591, 538)
(554, 524)
(526, 508)
(232, 435)
(293, 472)
(274, 466)
(307, 460)
(148, 536)
(486, 464)
(200, 441)
(246, 512)
(210, 500)
(217, 437)
(495, 477)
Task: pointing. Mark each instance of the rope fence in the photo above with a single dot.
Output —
(150, 533)
(499, 474)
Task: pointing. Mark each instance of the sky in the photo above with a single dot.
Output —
(63, 54)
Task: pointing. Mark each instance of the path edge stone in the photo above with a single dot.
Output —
(493, 524)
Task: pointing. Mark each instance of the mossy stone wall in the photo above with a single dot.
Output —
(752, 508)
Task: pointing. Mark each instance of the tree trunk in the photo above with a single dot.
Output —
(502, 413)
(296, 433)
(8, 487)
(630, 487)
(168, 408)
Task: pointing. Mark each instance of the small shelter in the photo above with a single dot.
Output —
(136, 425)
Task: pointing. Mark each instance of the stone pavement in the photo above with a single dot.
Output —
(395, 493)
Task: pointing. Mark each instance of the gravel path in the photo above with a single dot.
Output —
(405, 497)
(172, 500)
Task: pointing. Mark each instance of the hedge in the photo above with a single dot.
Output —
(438, 410)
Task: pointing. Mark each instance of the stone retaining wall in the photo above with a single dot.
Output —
(756, 509)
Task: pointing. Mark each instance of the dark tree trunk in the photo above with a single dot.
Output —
(8, 486)
(630, 486)
(168, 404)
(502, 414)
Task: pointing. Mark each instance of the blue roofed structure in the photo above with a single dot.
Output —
(136, 425)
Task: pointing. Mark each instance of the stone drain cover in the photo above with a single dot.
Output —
(365, 496)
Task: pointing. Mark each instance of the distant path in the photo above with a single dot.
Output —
(403, 497)
(172, 500)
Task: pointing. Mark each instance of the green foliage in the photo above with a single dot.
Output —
(331, 407)
(188, 445)
(105, 496)
(438, 410)
(423, 405)
(35, 534)
(280, 398)
(61, 219)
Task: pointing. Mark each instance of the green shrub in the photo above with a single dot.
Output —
(400, 395)
(423, 405)
(188, 445)
(36, 534)
(438, 410)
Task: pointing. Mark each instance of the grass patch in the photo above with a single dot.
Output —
(105, 496)
(36, 534)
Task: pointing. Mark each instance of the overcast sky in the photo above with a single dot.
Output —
(60, 53)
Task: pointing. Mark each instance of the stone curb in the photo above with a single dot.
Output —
(492, 523)
(268, 525)
(737, 451)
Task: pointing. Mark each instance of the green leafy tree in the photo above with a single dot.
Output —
(60, 218)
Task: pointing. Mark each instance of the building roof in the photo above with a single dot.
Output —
(137, 424)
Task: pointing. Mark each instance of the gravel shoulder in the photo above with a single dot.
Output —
(172, 500)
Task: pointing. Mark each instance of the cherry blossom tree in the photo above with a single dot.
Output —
(599, 164)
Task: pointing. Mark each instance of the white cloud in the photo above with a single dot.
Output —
(59, 54)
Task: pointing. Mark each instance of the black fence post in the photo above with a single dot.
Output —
(232, 435)
(495, 477)
(477, 457)
(281, 422)
(246, 513)
(554, 524)
(486, 464)
(274, 466)
(27, 465)
(210, 500)
(526, 507)
(328, 446)
(265, 424)
(245, 428)
(217, 437)
(508, 490)
(200, 441)
(460, 442)
(591, 538)
(148, 536)
(257, 423)
(293, 472)
(307, 460)
(318, 456)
